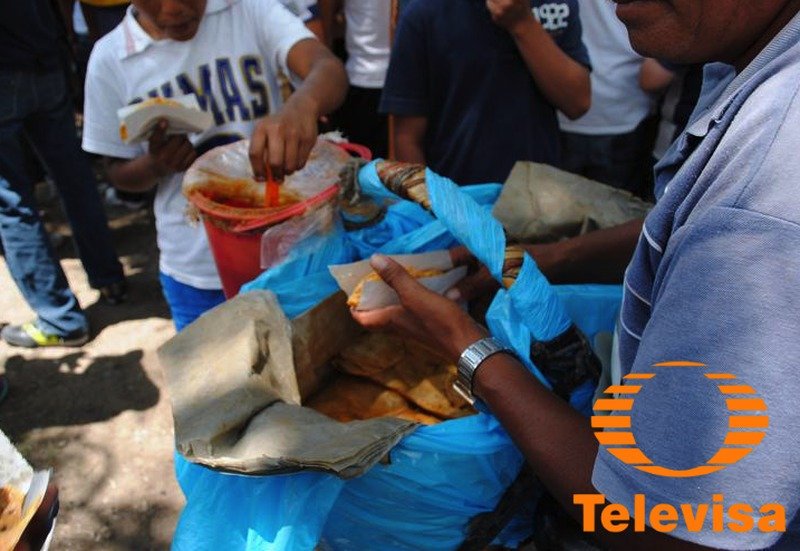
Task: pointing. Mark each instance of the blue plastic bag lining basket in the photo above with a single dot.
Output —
(440, 476)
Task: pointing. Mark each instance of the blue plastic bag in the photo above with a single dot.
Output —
(233, 512)
(440, 476)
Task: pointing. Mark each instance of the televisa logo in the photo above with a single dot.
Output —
(747, 425)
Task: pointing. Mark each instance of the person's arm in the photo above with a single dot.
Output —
(563, 81)
(556, 440)
(328, 11)
(409, 139)
(316, 26)
(166, 155)
(654, 77)
(597, 257)
(284, 140)
(405, 94)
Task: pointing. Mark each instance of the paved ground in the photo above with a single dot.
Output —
(98, 415)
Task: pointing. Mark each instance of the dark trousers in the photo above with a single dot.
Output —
(360, 121)
(38, 107)
(620, 160)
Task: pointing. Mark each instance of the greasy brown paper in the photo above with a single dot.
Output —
(541, 203)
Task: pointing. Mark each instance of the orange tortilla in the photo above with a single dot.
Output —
(355, 296)
(12, 520)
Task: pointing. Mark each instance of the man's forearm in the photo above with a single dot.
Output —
(563, 81)
(597, 257)
(324, 87)
(557, 443)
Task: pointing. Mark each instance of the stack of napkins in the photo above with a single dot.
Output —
(236, 401)
(183, 114)
(286, 438)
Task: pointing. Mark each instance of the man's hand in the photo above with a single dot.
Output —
(422, 315)
(284, 140)
(169, 154)
(509, 14)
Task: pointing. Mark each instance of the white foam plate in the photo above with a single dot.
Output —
(183, 114)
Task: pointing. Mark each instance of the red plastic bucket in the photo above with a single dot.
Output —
(234, 228)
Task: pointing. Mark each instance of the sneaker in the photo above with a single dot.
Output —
(28, 335)
(115, 293)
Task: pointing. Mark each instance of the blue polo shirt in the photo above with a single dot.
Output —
(452, 64)
(715, 279)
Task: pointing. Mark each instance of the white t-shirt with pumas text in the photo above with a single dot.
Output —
(230, 66)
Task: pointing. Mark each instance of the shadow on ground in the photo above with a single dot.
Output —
(138, 523)
(96, 415)
(74, 390)
(144, 301)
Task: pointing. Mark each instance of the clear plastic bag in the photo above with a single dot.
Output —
(231, 164)
(278, 241)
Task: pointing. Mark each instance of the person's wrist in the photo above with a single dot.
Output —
(477, 359)
(154, 169)
(466, 336)
(564, 257)
(304, 103)
(522, 26)
(481, 380)
(551, 258)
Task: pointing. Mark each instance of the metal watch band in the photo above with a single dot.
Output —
(471, 359)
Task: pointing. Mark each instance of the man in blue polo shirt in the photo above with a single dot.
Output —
(709, 335)
(475, 84)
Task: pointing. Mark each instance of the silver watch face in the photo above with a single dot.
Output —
(471, 359)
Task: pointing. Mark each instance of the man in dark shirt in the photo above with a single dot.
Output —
(35, 105)
(475, 84)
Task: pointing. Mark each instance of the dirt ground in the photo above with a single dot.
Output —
(99, 415)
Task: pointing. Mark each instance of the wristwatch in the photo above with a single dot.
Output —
(471, 359)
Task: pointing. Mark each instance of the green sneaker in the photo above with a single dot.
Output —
(28, 335)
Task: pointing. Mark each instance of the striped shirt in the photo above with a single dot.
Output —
(716, 279)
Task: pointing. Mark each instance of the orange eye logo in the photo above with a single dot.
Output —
(747, 423)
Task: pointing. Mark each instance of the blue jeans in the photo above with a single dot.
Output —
(187, 303)
(38, 107)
